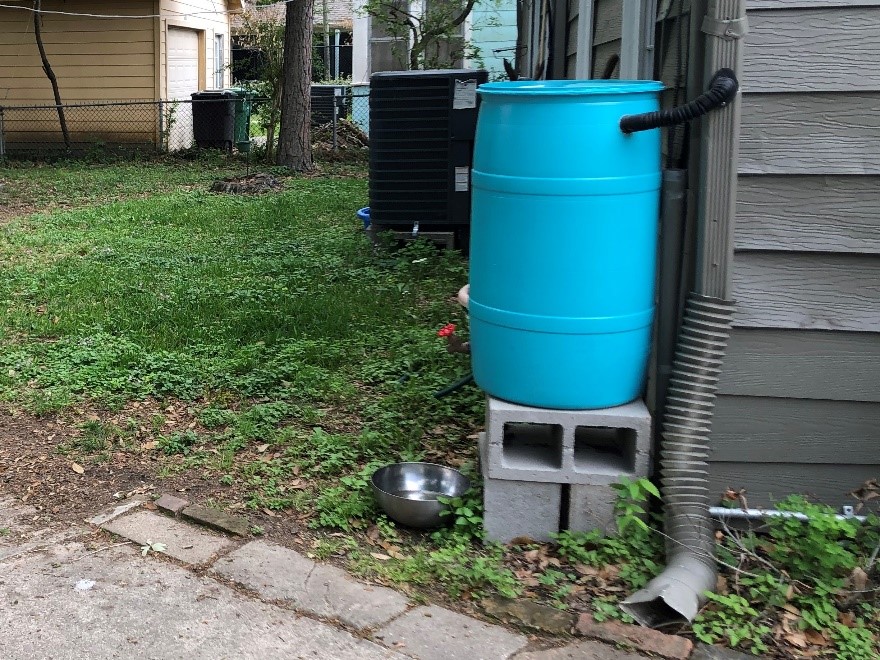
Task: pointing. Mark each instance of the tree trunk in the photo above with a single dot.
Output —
(38, 35)
(295, 143)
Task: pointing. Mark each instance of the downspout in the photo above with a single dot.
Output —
(677, 594)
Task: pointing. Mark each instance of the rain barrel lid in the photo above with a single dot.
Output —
(570, 87)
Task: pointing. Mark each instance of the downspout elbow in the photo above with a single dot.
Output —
(676, 595)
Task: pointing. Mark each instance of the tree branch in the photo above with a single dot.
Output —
(458, 20)
(47, 68)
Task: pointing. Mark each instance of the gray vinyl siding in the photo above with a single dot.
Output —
(841, 214)
(571, 40)
(607, 27)
(799, 403)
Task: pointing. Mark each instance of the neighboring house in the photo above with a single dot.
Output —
(138, 57)
(492, 30)
(491, 27)
(798, 409)
(339, 24)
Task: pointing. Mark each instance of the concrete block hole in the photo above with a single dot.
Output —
(601, 450)
(532, 446)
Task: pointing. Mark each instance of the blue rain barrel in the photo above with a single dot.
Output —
(563, 242)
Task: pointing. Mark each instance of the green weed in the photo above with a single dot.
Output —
(807, 567)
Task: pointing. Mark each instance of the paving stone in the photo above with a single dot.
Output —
(672, 647)
(117, 510)
(332, 593)
(185, 542)
(171, 503)
(435, 633)
(278, 573)
(582, 651)
(142, 609)
(528, 613)
(217, 519)
(273, 571)
(706, 652)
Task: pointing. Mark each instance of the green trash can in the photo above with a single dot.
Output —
(243, 107)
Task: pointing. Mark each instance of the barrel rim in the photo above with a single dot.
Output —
(570, 87)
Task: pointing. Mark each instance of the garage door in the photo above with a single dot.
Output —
(182, 69)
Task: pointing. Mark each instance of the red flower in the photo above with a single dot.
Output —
(446, 330)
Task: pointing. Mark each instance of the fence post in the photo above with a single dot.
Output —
(336, 99)
(2, 137)
(160, 147)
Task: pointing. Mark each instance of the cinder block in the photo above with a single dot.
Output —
(520, 508)
(587, 447)
(591, 507)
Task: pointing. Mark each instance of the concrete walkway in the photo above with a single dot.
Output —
(214, 597)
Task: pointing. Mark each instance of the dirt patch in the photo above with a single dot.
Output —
(36, 470)
(249, 184)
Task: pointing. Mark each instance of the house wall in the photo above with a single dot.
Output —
(210, 20)
(572, 25)
(607, 30)
(360, 39)
(492, 27)
(98, 60)
(799, 400)
(94, 59)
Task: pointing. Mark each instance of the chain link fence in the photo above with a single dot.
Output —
(340, 120)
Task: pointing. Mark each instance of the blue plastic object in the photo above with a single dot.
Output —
(364, 215)
(564, 231)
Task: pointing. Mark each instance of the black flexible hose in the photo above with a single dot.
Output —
(449, 389)
(722, 90)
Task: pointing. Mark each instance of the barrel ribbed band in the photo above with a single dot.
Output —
(561, 324)
(569, 187)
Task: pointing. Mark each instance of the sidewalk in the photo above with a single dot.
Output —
(211, 596)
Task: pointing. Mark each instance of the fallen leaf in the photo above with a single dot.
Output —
(858, 579)
(788, 607)
(847, 618)
(262, 448)
(148, 445)
(521, 540)
(150, 506)
(815, 637)
(583, 569)
(798, 639)
(380, 556)
(76, 467)
(270, 513)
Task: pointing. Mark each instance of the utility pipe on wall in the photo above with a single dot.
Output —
(723, 512)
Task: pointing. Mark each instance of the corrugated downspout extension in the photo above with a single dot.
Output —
(677, 594)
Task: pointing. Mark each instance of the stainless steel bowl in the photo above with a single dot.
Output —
(408, 492)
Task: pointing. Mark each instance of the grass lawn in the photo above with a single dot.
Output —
(255, 353)
(254, 348)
